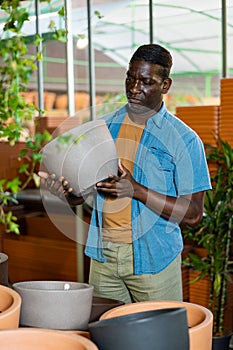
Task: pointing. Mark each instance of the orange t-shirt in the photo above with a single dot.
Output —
(117, 211)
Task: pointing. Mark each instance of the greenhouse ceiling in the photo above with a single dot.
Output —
(191, 30)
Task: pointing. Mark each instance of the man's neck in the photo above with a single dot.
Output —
(141, 118)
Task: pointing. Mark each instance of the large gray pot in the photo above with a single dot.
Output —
(55, 304)
(84, 155)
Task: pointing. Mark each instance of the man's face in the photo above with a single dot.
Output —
(145, 87)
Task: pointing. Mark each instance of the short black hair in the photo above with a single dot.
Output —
(155, 54)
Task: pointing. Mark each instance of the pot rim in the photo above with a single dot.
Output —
(139, 317)
(169, 303)
(40, 331)
(24, 286)
(17, 300)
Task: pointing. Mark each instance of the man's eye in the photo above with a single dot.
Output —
(148, 82)
(130, 79)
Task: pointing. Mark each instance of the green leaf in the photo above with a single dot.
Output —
(61, 12)
(23, 168)
(97, 13)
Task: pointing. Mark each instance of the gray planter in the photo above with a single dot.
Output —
(55, 304)
(84, 155)
(3, 269)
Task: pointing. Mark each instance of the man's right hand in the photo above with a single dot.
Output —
(59, 187)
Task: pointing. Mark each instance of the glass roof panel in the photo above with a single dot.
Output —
(191, 30)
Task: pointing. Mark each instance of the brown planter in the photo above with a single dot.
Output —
(199, 292)
(101, 305)
(10, 305)
(37, 339)
(200, 319)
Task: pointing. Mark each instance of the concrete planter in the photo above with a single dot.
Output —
(84, 155)
(10, 304)
(200, 319)
(46, 339)
(55, 304)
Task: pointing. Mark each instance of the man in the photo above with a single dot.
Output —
(134, 239)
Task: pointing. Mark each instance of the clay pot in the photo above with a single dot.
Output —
(200, 319)
(10, 304)
(84, 155)
(46, 339)
(160, 329)
(101, 305)
(55, 304)
(3, 269)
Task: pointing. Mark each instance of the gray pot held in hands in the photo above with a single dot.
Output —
(55, 304)
(84, 155)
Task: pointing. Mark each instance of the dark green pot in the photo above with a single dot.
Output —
(221, 343)
(4, 269)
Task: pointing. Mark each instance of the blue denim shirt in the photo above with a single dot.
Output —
(170, 160)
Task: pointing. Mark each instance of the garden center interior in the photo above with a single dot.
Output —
(84, 53)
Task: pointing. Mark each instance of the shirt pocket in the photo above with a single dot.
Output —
(160, 174)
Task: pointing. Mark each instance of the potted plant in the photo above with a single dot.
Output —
(213, 235)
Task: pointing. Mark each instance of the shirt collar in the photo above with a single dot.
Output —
(159, 116)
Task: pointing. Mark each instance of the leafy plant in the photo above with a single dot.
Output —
(16, 69)
(214, 233)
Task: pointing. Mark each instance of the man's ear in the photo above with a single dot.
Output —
(166, 85)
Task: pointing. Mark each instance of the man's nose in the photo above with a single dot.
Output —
(136, 85)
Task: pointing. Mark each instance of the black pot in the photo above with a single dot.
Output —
(160, 329)
(221, 343)
(4, 269)
(101, 305)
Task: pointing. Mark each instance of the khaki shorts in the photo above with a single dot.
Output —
(115, 278)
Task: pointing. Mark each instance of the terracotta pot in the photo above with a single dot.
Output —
(200, 319)
(167, 328)
(10, 304)
(46, 339)
(86, 155)
(3, 269)
(55, 304)
(101, 305)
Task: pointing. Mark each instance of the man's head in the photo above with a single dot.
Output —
(148, 79)
(154, 54)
